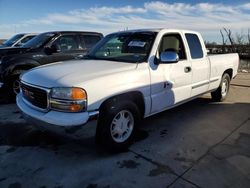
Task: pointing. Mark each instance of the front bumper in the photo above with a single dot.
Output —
(59, 122)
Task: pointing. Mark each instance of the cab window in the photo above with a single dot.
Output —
(66, 43)
(89, 40)
(26, 39)
(194, 46)
(173, 42)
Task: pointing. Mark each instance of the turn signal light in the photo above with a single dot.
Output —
(78, 94)
(75, 107)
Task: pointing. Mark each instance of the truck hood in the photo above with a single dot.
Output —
(74, 72)
(12, 51)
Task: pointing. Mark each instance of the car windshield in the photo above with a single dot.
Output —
(127, 47)
(39, 40)
(13, 40)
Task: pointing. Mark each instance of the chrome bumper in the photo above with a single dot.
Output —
(74, 124)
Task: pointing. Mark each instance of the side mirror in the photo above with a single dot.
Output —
(169, 57)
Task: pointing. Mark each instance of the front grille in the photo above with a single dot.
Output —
(34, 95)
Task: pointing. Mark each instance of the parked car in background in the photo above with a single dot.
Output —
(18, 40)
(127, 76)
(2, 41)
(45, 48)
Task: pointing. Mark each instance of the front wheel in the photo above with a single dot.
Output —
(12, 88)
(222, 91)
(117, 124)
(16, 85)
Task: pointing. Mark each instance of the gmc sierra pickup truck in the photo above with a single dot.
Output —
(128, 76)
(43, 49)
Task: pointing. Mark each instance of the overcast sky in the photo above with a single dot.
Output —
(207, 17)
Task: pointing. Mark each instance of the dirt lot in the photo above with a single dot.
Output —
(198, 144)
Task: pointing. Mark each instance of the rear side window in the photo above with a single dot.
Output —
(90, 40)
(194, 46)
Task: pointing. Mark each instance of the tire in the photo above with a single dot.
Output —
(117, 125)
(12, 87)
(222, 91)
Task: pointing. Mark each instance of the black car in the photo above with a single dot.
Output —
(43, 49)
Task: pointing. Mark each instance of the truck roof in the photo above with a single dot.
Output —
(156, 30)
(83, 32)
(27, 33)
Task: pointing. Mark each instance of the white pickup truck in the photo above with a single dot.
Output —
(128, 76)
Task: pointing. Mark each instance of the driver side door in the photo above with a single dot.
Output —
(66, 47)
(171, 82)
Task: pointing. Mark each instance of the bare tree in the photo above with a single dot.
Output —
(223, 41)
(248, 36)
(239, 38)
(248, 42)
(230, 37)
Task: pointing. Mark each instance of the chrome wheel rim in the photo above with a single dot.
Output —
(122, 126)
(16, 86)
(224, 88)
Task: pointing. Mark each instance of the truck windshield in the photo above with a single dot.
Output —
(127, 47)
(12, 40)
(39, 40)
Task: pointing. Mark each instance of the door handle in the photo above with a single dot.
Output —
(187, 69)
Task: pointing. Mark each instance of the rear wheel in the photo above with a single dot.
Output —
(117, 125)
(222, 91)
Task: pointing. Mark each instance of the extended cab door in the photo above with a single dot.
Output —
(200, 63)
(170, 82)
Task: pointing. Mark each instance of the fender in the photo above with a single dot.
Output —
(135, 96)
(9, 51)
(14, 64)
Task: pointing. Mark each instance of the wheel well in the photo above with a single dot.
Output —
(22, 67)
(229, 72)
(135, 96)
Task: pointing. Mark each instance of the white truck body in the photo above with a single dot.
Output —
(162, 85)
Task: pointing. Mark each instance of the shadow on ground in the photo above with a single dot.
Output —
(24, 134)
(166, 145)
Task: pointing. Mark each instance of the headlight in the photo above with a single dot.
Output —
(73, 93)
(0, 61)
(68, 99)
